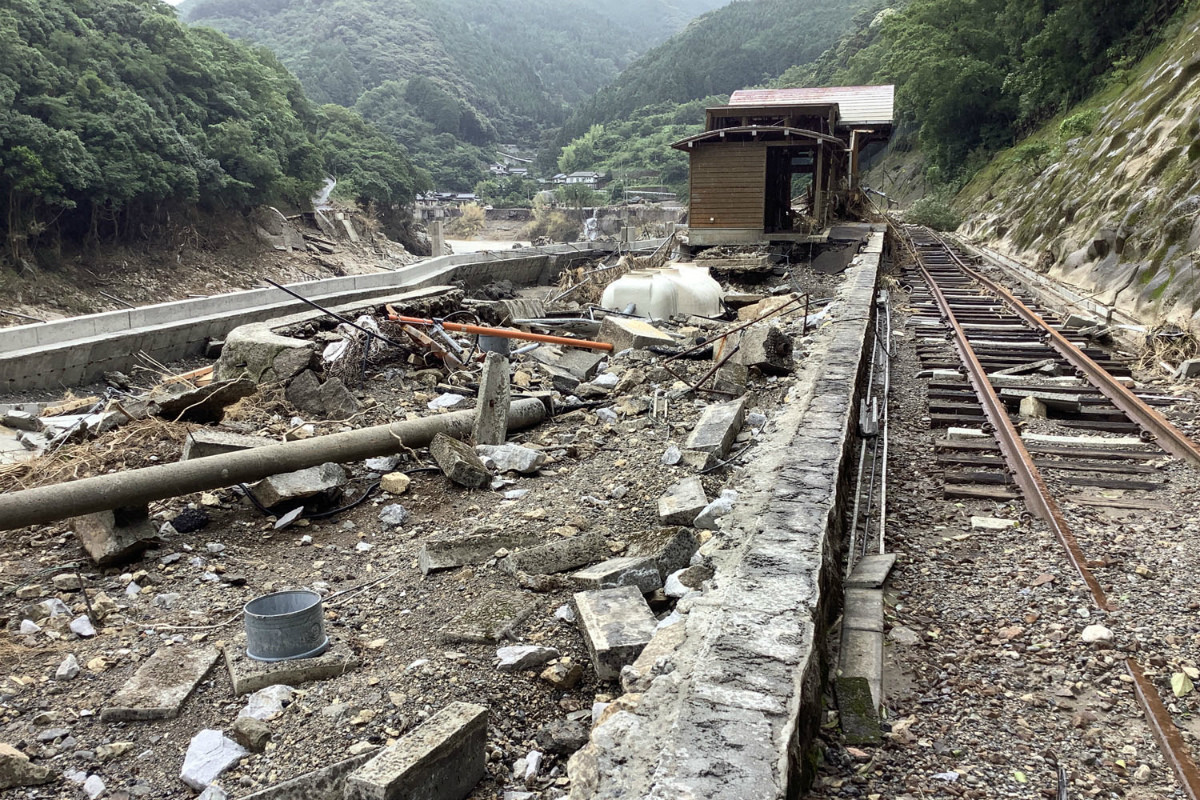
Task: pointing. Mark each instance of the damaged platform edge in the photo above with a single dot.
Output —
(746, 676)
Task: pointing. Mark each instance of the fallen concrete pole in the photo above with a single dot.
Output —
(137, 487)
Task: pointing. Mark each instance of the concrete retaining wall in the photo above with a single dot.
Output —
(76, 351)
(731, 705)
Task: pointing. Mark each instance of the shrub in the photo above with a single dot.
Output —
(1080, 124)
(554, 225)
(469, 224)
(934, 211)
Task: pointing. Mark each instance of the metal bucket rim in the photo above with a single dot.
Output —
(316, 601)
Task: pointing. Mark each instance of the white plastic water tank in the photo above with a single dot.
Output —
(662, 293)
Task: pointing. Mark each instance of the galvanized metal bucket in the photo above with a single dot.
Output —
(495, 344)
(285, 626)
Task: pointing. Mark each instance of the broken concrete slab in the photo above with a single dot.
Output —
(616, 625)
(656, 658)
(1032, 408)
(763, 346)
(113, 537)
(203, 442)
(631, 334)
(299, 485)
(682, 501)
(490, 618)
(641, 572)
(764, 307)
(327, 783)
(558, 556)
(459, 462)
(160, 686)
(1187, 370)
(511, 458)
(525, 656)
(474, 548)
(209, 755)
(1063, 402)
(19, 420)
(578, 363)
(871, 572)
(717, 428)
(249, 675)
(863, 610)
(861, 657)
(442, 759)
(491, 409)
(993, 523)
(671, 548)
(203, 405)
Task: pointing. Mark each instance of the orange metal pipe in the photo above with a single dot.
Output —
(502, 333)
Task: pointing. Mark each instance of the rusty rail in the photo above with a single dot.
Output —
(1038, 499)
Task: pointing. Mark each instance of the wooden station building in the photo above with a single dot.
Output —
(768, 146)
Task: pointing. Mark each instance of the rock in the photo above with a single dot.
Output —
(475, 548)
(330, 400)
(209, 755)
(256, 352)
(707, 519)
(763, 346)
(576, 362)
(562, 736)
(107, 752)
(382, 464)
(16, 770)
(564, 675)
(167, 600)
(251, 733)
(47, 609)
(266, 704)
(1096, 633)
(339, 403)
(1033, 408)
(682, 502)
(29, 627)
(68, 582)
(688, 580)
(82, 626)
(22, 421)
(671, 456)
(393, 515)
(112, 537)
(523, 657)
(94, 786)
(903, 636)
(298, 485)
(616, 625)
(213, 792)
(204, 405)
(448, 400)
(558, 556)
(68, 669)
(511, 458)
(491, 409)
(625, 334)
(395, 483)
(639, 571)
(191, 520)
(459, 462)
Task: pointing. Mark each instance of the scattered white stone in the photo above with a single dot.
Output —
(904, 636)
(525, 656)
(94, 786)
(672, 456)
(29, 627)
(565, 613)
(394, 515)
(132, 590)
(756, 420)
(1096, 633)
(993, 523)
(68, 669)
(266, 704)
(448, 400)
(209, 755)
(511, 795)
(607, 415)
(606, 379)
(515, 494)
(166, 600)
(213, 792)
(597, 710)
(82, 626)
(382, 464)
(707, 519)
(363, 547)
(305, 540)
(420, 662)
(673, 587)
(76, 776)
(215, 547)
(511, 458)
(948, 777)
(533, 763)
(395, 483)
(51, 608)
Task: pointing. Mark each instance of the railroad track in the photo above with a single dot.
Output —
(1032, 412)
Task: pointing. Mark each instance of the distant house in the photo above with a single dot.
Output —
(520, 172)
(770, 146)
(589, 179)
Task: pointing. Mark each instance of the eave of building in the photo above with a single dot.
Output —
(760, 132)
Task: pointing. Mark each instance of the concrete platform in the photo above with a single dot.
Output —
(249, 675)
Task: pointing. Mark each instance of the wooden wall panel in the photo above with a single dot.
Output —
(728, 185)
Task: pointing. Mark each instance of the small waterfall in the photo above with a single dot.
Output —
(321, 199)
(591, 229)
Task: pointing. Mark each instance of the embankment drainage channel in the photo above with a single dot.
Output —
(725, 704)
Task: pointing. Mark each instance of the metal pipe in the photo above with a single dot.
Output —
(887, 390)
(137, 487)
(502, 333)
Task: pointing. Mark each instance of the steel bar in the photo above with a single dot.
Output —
(140, 486)
(334, 314)
(501, 333)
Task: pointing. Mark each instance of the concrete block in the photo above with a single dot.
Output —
(682, 502)
(763, 346)
(251, 351)
(459, 462)
(203, 442)
(861, 656)
(871, 572)
(558, 556)
(863, 610)
(327, 783)
(579, 363)
(22, 421)
(993, 523)
(112, 537)
(442, 759)
(625, 334)
(249, 675)
(627, 571)
(491, 410)
(490, 618)
(616, 625)
(474, 548)
(1189, 369)
(671, 548)
(717, 428)
(161, 685)
(298, 485)
(1032, 408)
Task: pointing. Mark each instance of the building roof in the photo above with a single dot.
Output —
(857, 105)
(772, 132)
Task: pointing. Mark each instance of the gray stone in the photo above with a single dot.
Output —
(558, 556)
(442, 759)
(732, 378)
(639, 571)
(682, 502)
(94, 786)
(491, 408)
(202, 405)
(684, 581)
(523, 657)
(863, 610)
(251, 733)
(267, 703)
(16, 770)
(327, 783)
(67, 582)
(83, 627)
(671, 456)
(208, 756)
(331, 399)
(1032, 408)
(339, 403)
(871, 571)
(113, 537)
(393, 515)
(249, 675)
(577, 362)
(68, 669)
(490, 618)
(203, 442)
(459, 462)
(717, 428)
(1189, 369)
(657, 658)
(707, 519)
(561, 379)
(563, 736)
(905, 637)
(254, 351)
(161, 685)
(299, 485)
(382, 464)
(765, 347)
(511, 458)
(475, 548)
(22, 421)
(625, 334)
(616, 625)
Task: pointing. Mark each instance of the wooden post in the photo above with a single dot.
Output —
(854, 165)
(819, 187)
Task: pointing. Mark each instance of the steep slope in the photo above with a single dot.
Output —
(1108, 199)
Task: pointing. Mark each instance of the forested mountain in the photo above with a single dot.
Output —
(113, 116)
